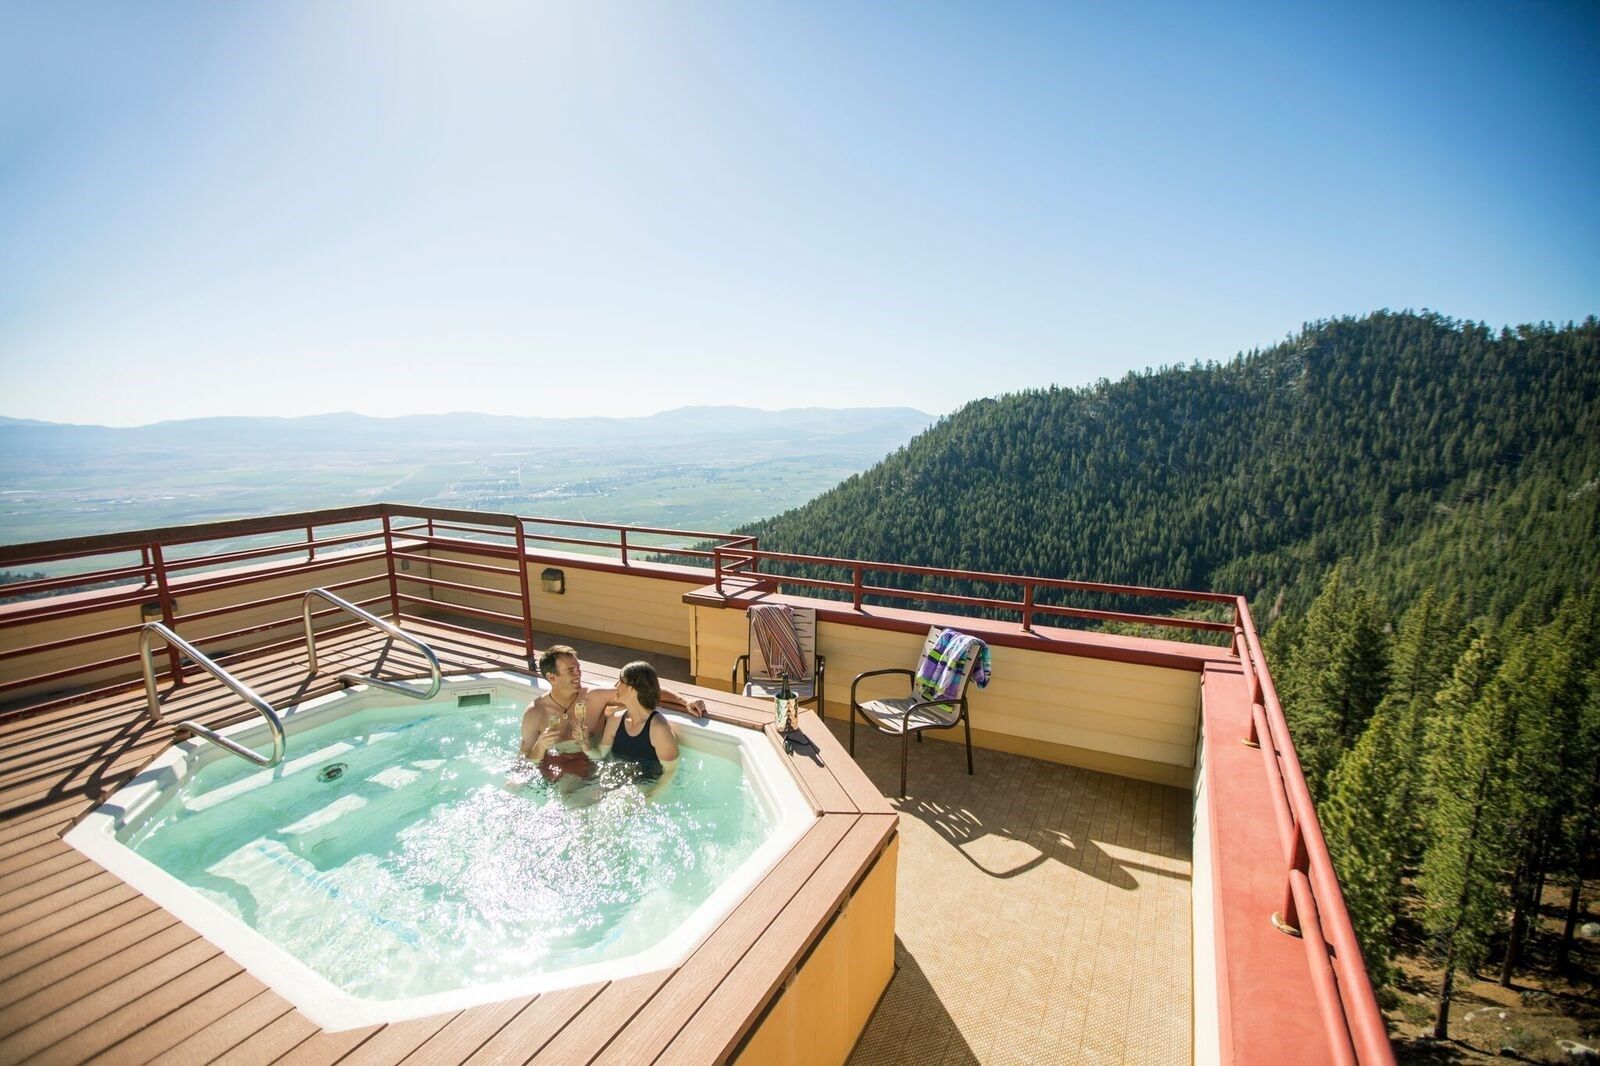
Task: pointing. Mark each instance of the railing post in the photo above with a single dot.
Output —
(855, 586)
(716, 568)
(527, 594)
(622, 532)
(168, 612)
(1027, 606)
(1298, 860)
(394, 584)
(311, 546)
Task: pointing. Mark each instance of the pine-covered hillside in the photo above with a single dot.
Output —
(1427, 452)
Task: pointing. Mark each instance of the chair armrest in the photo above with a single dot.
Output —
(733, 682)
(877, 673)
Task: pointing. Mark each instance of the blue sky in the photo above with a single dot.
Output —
(561, 208)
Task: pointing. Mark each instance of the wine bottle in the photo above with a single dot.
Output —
(785, 705)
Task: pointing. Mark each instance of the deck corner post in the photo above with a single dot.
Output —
(168, 611)
(527, 595)
(388, 558)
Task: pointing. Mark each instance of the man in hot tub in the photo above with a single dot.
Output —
(552, 723)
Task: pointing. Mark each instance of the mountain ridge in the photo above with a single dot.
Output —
(1357, 438)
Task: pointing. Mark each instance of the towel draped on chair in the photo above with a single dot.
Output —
(944, 667)
(773, 624)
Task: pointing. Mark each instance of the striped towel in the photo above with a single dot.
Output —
(943, 670)
(773, 625)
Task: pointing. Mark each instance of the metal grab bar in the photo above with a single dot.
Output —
(373, 620)
(152, 630)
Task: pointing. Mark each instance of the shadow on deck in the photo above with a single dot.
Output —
(1043, 912)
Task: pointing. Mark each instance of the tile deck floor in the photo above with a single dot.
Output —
(1042, 912)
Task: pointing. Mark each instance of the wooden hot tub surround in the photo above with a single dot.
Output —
(99, 970)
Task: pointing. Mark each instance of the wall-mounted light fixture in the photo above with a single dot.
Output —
(553, 580)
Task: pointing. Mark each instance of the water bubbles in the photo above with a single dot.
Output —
(440, 859)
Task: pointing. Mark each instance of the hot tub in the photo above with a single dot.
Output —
(401, 861)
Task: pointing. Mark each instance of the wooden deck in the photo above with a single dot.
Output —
(90, 970)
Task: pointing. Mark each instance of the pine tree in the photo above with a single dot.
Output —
(1541, 685)
(1336, 676)
(1546, 755)
(1426, 647)
(1584, 824)
(1365, 839)
(1459, 867)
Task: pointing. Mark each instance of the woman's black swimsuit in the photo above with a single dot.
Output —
(637, 749)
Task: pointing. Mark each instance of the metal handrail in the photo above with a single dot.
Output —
(1313, 905)
(152, 630)
(373, 620)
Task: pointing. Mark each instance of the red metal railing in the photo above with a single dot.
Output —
(734, 561)
(157, 582)
(423, 551)
(1313, 906)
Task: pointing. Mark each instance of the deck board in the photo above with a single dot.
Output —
(154, 1038)
(393, 1043)
(135, 975)
(272, 1042)
(70, 932)
(159, 1000)
(59, 957)
(726, 1015)
(863, 794)
(602, 1018)
(466, 1033)
(692, 984)
(36, 865)
(535, 1026)
(321, 1046)
(214, 1039)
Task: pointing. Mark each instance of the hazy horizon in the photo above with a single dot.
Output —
(4, 416)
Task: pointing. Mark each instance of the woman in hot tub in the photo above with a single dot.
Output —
(639, 733)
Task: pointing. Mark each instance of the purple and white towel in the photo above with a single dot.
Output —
(943, 669)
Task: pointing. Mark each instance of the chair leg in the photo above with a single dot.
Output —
(968, 723)
(852, 727)
(905, 750)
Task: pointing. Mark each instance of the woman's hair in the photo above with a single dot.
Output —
(641, 677)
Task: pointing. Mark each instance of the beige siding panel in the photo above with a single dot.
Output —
(721, 636)
(1132, 719)
(1052, 702)
(599, 603)
(1101, 720)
